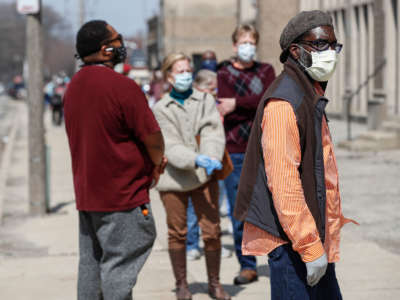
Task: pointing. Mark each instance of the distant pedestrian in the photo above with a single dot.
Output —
(209, 61)
(183, 114)
(205, 81)
(241, 84)
(156, 87)
(117, 152)
(289, 189)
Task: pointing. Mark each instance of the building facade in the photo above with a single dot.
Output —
(272, 17)
(370, 61)
(368, 67)
(192, 27)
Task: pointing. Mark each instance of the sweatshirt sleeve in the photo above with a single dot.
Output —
(282, 156)
(212, 135)
(177, 153)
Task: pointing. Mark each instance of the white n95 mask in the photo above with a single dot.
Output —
(323, 65)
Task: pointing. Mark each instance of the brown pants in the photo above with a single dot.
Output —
(205, 203)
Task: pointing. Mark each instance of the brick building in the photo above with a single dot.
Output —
(367, 28)
(371, 38)
(192, 27)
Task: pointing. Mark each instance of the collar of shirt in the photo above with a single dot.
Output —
(318, 89)
(196, 95)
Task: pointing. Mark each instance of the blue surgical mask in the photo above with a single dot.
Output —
(246, 52)
(209, 64)
(183, 81)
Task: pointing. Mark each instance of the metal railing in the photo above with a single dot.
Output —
(348, 97)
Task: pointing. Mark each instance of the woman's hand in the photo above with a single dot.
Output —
(208, 163)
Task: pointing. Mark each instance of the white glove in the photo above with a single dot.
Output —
(316, 269)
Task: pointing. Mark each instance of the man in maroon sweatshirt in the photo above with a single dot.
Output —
(241, 84)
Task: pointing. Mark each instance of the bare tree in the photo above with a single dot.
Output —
(58, 42)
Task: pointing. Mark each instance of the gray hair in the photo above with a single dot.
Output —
(204, 78)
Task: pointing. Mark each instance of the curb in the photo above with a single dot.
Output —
(6, 159)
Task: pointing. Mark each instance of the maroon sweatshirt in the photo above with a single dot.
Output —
(247, 87)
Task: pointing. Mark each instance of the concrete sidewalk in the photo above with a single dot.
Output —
(39, 256)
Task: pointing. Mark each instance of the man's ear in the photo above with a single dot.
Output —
(294, 51)
(106, 51)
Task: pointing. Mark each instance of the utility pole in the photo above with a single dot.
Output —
(81, 12)
(36, 139)
(81, 22)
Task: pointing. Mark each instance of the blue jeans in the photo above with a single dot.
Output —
(231, 184)
(193, 230)
(222, 193)
(288, 275)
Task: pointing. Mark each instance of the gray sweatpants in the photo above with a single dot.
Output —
(113, 247)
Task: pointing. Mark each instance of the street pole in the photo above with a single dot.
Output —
(81, 12)
(36, 139)
(81, 22)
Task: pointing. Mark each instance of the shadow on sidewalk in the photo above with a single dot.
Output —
(263, 271)
(59, 206)
(202, 288)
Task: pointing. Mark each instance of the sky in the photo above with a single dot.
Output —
(126, 16)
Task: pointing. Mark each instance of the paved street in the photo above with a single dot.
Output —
(39, 256)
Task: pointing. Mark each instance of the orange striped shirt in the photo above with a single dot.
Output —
(282, 156)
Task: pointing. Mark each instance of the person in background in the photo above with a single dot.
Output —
(183, 114)
(289, 190)
(156, 87)
(209, 61)
(117, 154)
(241, 84)
(48, 91)
(205, 81)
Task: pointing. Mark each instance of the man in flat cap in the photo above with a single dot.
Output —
(289, 192)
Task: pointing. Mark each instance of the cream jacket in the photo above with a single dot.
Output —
(179, 125)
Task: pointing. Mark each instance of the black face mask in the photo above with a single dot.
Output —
(119, 54)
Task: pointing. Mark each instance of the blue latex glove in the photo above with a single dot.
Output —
(208, 163)
(203, 161)
(215, 165)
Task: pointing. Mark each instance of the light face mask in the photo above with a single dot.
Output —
(323, 65)
(183, 81)
(246, 52)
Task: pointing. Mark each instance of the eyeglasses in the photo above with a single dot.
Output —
(322, 45)
(118, 38)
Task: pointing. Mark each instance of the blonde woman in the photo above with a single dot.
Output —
(183, 114)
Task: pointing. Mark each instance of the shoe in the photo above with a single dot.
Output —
(223, 210)
(230, 228)
(246, 277)
(178, 262)
(193, 254)
(225, 252)
(213, 263)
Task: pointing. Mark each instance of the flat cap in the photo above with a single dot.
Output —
(300, 24)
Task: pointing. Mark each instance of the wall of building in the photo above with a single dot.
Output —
(247, 11)
(391, 10)
(370, 33)
(273, 15)
(196, 26)
(368, 29)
